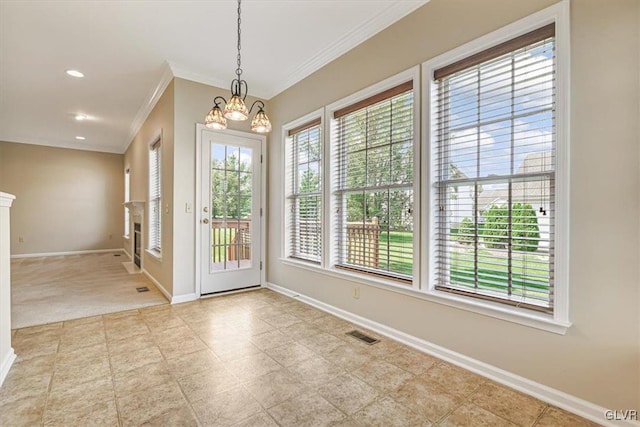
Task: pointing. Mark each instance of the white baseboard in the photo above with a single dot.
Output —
(47, 254)
(173, 300)
(547, 394)
(127, 253)
(9, 358)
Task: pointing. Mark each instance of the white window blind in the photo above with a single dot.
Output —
(373, 184)
(155, 197)
(127, 190)
(305, 191)
(494, 160)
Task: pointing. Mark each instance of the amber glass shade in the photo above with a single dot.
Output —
(236, 109)
(215, 119)
(261, 122)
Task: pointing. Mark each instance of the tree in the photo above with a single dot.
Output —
(526, 232)
(496, 227)
(231, 188)
(467, 231)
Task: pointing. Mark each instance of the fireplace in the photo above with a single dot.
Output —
(137, 243)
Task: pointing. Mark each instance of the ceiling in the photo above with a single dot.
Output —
(127, 49)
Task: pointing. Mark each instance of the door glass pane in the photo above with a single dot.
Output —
(231, 202)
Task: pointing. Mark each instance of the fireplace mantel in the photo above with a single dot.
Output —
(136, 207)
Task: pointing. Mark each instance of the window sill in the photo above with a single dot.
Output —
(127, 237)
(155, 254)
(520, 316)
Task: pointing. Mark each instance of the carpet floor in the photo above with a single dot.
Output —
(53, 289)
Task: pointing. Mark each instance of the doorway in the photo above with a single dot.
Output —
(230, 210)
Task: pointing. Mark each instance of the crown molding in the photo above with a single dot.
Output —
(83, 146)
(147, 106)
(396, 11)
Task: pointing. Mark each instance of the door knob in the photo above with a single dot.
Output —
(205, 221)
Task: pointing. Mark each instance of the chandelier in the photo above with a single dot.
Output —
(235, 109)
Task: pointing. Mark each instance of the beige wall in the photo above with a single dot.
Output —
(136, 158)
(67, 200)
(597, 359)
(192, 102)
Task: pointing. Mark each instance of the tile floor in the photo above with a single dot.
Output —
(250, 359)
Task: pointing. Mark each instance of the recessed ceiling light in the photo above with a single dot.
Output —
(75, 73)
(81, 117)
(81, 138)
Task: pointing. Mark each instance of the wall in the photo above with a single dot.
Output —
(192, 102)
(597, 359)
(136, 158)
(7, 355)
(68, 200)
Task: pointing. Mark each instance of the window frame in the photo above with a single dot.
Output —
(127, 198)
(156, 251)
(557, 322)
(286, 190)
(331, 261)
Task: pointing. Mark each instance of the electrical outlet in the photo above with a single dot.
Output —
(20, 239)
(356, 292)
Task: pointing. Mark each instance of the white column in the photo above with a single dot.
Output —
(7, 355)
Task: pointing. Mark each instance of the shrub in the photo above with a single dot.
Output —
(467, 231)
(525, 233)
(496, 229)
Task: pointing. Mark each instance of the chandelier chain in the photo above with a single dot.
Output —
(239, 69)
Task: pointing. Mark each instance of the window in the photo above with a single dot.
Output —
(304, 180)
(127, 189)
(493, 156)
(373, 179)
(155, 197)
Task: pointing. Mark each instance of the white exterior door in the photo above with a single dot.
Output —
(230, 211)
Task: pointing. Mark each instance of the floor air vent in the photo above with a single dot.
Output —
(362, 337)
(142, 289)
(117, 255)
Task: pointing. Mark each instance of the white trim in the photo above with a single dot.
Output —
(559, 322)
(9, 358)
(330, 223)
(59, 143)
(158, 138)
(523, 317)
(154, 253)
(48, 254)
(6, 200)
(286, 215)
(150, 102)
(545, 393)
(172, 299)
(126, 252)
(198, 200)
(394, 12)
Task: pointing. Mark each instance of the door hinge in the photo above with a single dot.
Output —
(260, 158)
(260, 265)
(260, 211)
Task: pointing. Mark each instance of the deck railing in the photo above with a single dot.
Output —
(233, 234)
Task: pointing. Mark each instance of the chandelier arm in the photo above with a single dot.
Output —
(246, 89)
(217, 102)
(254, 104)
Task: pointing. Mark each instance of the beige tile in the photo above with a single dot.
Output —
(16, 387)
(469, 414)
(175, 417)
(181, 346)
(309, 409)
(456, 381)
(82, 321)
(200, 385)
(193, 362)
(36, 345)
(41, 365)
(506, 403)
(412, 361)
(231, 349)
(146, 405)
(79, 328)
(161, 321)
(556, 417)
(101, 414)
(380, 349)
(39, 329)
(282, 320)
(78, 397)
(382, 375)
(129, 331)
(253, 366)
(81, 356)
(66, 376)
(270, 339)
(425, 398)
(120, 315)
(123, 362)
(128, 345)
(348, 393)
(261, 419)
(348, 356)
(290, 354)
(141, 378)
(71, 341)
(388, 413)
(301, 330)
(226, 408)
(315, 371)
(322, 343)
(27, 411)
(274, 387)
